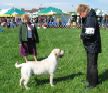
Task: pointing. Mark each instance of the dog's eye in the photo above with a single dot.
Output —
(55, 53)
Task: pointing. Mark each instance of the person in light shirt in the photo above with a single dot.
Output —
(28, 38)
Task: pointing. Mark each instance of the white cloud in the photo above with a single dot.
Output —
(9, 4)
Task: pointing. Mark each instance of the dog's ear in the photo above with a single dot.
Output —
(54, 52)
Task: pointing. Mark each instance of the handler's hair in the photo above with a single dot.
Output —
(25, 17)
(83, 8)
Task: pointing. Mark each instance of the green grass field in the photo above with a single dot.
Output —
(71, 68)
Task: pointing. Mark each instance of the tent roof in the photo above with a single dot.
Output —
(50, 11)
(15, 11)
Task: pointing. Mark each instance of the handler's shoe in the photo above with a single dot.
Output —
(89, 87)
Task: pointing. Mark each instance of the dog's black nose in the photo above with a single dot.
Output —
(60, 56)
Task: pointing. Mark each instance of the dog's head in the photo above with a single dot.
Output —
(58, 52)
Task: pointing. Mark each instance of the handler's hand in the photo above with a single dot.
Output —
(25, 44)
(20, 45)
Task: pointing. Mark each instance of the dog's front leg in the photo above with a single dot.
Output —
(51, 79)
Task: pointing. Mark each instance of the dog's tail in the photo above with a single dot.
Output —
(18, 65)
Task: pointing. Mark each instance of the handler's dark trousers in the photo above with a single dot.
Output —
(92, 71)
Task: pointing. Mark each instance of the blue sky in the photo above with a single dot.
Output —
(66, 5)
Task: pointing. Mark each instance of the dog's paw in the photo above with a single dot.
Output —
(27, 88)
(52, 85)
(59, 68)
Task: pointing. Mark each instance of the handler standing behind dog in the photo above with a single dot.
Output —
(90, 36)
(28, 37)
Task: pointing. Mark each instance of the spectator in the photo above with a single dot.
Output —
(28, 37)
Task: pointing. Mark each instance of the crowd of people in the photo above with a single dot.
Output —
(103, 21)
(73, 21)
(10, 22)
(52, 22)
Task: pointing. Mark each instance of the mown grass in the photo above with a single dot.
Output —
(71, 68)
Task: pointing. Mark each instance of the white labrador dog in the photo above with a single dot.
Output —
(46, 66)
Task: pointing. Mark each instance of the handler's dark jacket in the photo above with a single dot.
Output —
(92, 43)
(23, 31)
